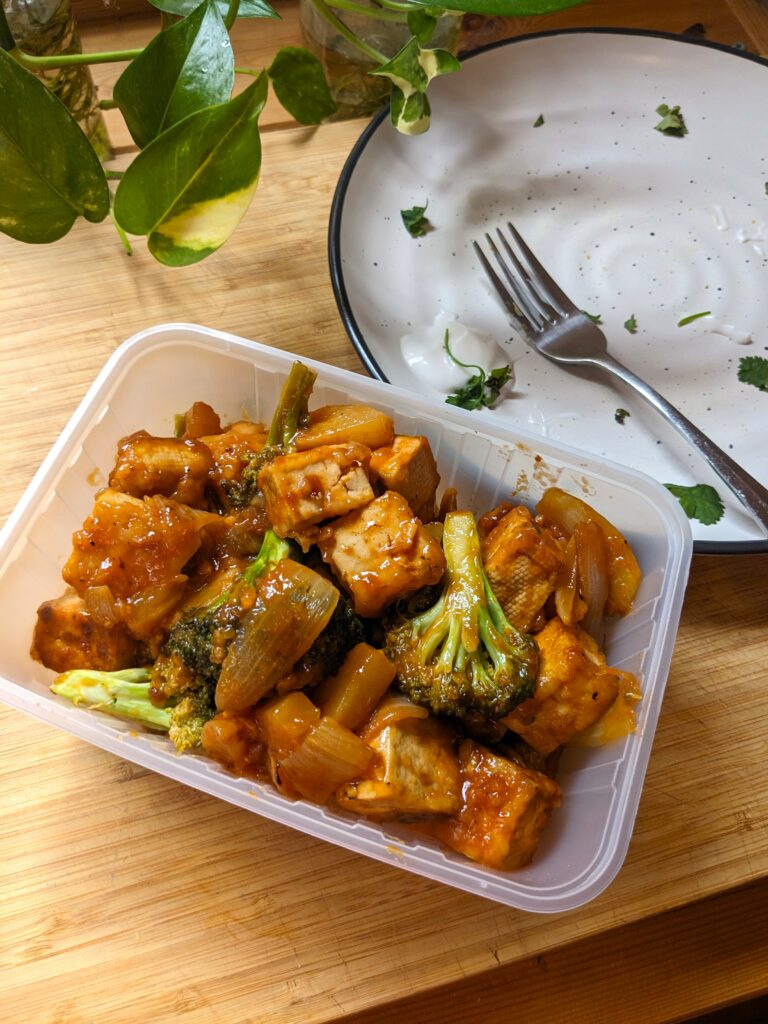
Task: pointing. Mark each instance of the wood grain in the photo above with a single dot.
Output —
(127, 897)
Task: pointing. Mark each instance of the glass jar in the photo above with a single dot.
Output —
(356, 92)
(47, 27)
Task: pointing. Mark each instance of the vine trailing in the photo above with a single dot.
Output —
(199, 155)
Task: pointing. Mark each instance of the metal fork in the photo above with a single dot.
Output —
(560, 331)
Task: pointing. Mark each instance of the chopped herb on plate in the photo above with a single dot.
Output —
(671, 122)
(482, 389)
(692, 317)
(539, 121)
(754, 370)
(415, 222)
(631, 324)
(620, 415)
(594, 317)
(700, 501)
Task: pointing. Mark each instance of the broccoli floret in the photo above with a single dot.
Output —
(129, 694)
(344, 630)
(125, 694)
(290, 415)
(461, 656)
(194, 648)
(189, 716)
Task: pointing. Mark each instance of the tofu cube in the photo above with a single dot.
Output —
(522, 561)
(574, 688)
(381, 552)
(415, 773)
(306, 488)
(162, 465)
(408, 467)
(504, 809)
(66, 637)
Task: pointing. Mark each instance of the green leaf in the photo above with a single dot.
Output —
(49, 173)
(700, 501)
(299, 83)
(410, 71)
(694, 316)
(754, 370)
(188, 190)
(671, 122)
(620, 415)
(482, 389)
(631, 324)
(416, 223)
(248, 8)
(594, 317)
(510, 8)
(187, 67)
(421, 22)
(539, 121)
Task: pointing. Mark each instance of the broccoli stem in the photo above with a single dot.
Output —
(292, 408)
(124, 694)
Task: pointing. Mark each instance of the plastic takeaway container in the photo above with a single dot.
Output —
(160, 372)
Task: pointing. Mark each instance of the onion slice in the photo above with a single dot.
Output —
(292, 607)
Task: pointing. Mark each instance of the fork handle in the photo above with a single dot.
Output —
(752, 494)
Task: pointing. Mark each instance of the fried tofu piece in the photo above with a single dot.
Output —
(137, 549)
(574, 688)
(415, 773)
(505, 807)
(306, 488)
(381, 552)
(522, 560)
(67, 636)
(162, 465)
(340, 424)
(232, 451)
(408, 467)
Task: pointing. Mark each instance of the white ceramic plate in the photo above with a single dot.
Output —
(628, 220)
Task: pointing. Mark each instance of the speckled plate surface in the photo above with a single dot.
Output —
(629, 221)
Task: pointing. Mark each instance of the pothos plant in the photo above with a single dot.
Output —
(199, 150)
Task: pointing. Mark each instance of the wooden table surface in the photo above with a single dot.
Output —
(130, 898)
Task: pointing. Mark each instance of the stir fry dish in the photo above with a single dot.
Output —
(299, 603)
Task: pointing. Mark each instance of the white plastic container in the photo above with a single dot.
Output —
(160, 372)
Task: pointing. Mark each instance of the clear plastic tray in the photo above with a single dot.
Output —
(163, 370)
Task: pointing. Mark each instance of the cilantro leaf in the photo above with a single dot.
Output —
(754, 370)
(416, 223)
(700, 501)
(620, 415)
(594, 317)
(539, 121)
(692, 317)
(671, 122)
(631, 324)
(482, 389)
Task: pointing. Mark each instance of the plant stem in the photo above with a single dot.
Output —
(231, 15)
(65, 60)
(392, 5)
(247, 71)
(369, 12)
(121, 234)
(107, 105)
(114, 175)
(327, 14)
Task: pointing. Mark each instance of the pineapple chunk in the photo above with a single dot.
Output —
(337, 424)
